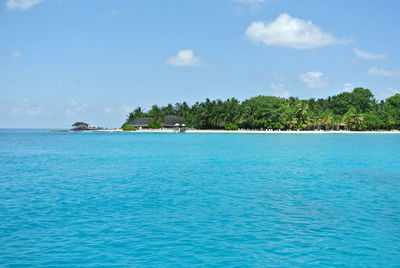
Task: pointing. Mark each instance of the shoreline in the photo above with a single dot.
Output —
(214, 131)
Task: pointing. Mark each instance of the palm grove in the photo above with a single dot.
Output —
(356, 110)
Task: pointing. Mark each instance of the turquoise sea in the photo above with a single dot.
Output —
(183, 200)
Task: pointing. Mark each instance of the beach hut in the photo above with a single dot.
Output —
(80, 126)
(341, 126)
(141, 122)
(172, 121)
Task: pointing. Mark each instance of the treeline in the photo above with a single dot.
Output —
(356, 110)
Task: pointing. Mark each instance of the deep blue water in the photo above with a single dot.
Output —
(181, 200)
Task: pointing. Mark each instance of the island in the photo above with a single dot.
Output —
(358, 110)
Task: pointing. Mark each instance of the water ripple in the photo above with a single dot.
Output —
(71, 200)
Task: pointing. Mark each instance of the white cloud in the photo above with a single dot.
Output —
(75, 108)
(184, 57)
(348, 87)
(108, 110)
(21, 4)
(59, 82)
(277, 86)
(115, 12)
(373, 71)
(289, 32)
(127, 108)
(393, 91)
(251, 1)
(314, 80)
(366, 55)
(279, 90)
(388, 92)
(16, 54)
(254, 4)
(26, 107)
(276, 75)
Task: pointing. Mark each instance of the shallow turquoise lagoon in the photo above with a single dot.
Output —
(181, 200)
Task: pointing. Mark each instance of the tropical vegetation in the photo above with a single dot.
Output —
(126, 127)
(356, 110)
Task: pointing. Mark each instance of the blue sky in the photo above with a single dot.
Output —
(63, 61)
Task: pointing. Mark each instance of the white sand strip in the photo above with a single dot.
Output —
(213, 131)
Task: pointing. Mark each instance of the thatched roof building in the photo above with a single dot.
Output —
(80, 126)
(170, 121)
(142, 122)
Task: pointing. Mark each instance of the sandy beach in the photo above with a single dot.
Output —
(214, 131)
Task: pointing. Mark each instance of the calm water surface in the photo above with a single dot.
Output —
(180, 200)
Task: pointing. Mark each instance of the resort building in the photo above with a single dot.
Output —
(141, 122)
(341, 126)
(169, 121)
(80, 126)
(77, 126)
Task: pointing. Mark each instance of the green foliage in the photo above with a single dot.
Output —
(372, 121)
(231, 126)
(356, 110)
(135, 114)
(264, 112)
(354, 119)
(128, 128)
(391, 110)
(361, 99)
(157, 114)
(154, 125)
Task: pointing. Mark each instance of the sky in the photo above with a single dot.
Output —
(63, 61)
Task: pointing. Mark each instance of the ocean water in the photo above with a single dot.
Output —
(183, 200)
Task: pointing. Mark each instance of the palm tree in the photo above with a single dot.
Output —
(168, 110)
(359, 120)
(315, 121)
(182, 109)
(156, 113)
(138, 112)
(289, 118)
(327, 119)
(354, 119)
(301, 114)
